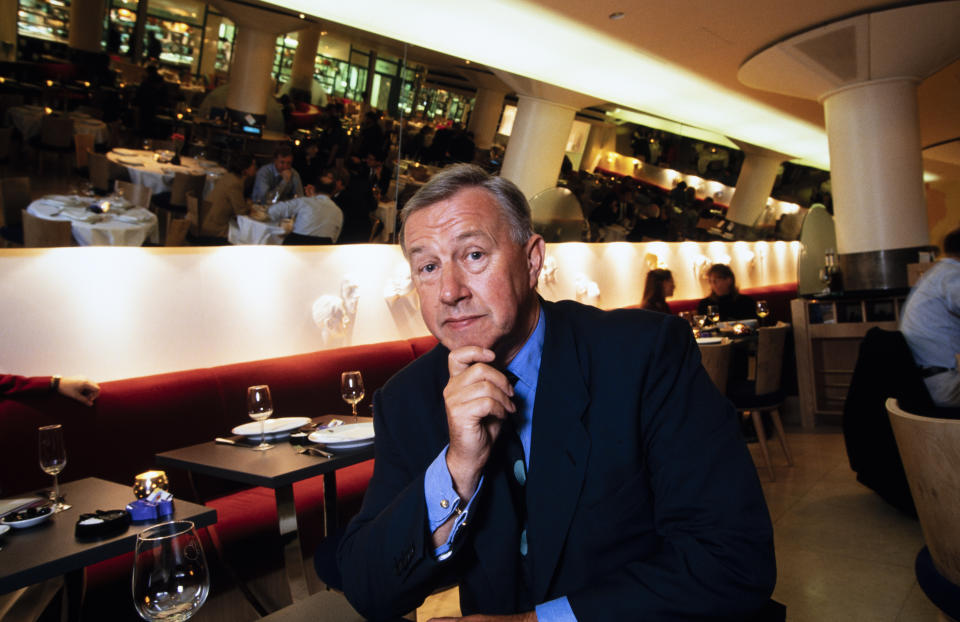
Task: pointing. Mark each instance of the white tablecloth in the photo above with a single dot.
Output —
(387, 213)
(246, 230)
(145, 170)
(118, 227)
(27, 120)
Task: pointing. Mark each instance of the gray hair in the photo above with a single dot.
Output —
(459, 177)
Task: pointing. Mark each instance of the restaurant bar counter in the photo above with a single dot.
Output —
(136, 418)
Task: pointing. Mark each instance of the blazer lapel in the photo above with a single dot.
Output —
(560, 448)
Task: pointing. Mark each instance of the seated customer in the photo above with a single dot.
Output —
(316, 219)
(278, 180)
(656, 290)
(226, 199)
(931, 324)
(74, 387)
(733, 305)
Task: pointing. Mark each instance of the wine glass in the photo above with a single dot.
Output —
(700, 321)
(260, 407)
(147, 144)
(713, 313)
(170, 577)
(53, 457)
(762, 311)
(351, 389)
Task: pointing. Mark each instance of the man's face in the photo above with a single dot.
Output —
(720, 285)
(283, 163)
(476, 285)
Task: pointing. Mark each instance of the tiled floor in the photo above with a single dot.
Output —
(842, 553)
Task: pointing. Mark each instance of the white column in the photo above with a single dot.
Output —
(876, 166)
(250, 82)
(601, 139)
(537, 144)
(8, 29)
(486, 116)
(86, 24)
(304, 59)
(757, 176)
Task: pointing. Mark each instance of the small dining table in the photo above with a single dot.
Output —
(28, 118)
(146, 169)
(247, 230)
(122, 225)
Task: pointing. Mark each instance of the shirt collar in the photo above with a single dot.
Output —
(526, 364)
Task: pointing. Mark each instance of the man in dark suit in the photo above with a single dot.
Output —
(556, 461)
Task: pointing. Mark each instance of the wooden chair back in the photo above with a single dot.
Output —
(930, 450)
(184, 183)
(99, 169)
(716, 360)
(42, 233)
(193, 213)
(177, 232)
(135, 193)
(770, 343)
(56, 132)
(82, 144)
(14, 199)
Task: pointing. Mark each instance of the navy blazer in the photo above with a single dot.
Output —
(643, 501)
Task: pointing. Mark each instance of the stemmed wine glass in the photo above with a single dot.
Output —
(713, 313)
(351, 389)
(170, 577)
(260, 407)
(53, 457)
(762, 311)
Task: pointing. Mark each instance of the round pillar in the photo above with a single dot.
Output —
(757, 176)
(486, 116)
(250, 82)
(86, 24)
(601, 139)
(875, 166)
(537, 144)
(8, 29)
(304, 59)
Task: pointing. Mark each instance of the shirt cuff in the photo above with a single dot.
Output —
(443, 501)
(556, 610)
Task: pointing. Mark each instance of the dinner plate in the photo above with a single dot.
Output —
(28, 522)
(348, 436)
(271, 426)
(4, 529)
(709, 340)
(126, 152)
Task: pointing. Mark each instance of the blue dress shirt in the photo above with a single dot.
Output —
(443, 501)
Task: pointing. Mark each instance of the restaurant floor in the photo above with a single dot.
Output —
(842, 553)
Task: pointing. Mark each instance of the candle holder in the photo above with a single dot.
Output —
(146, 483)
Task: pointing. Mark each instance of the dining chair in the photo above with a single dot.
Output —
(135, 193)
(930, 450)
(56, 137)
(14, 198)
(763, 394)
(98, 168)
(83, 143)
(177, 231)
(716, 360)
(194, 215)
(42, 233)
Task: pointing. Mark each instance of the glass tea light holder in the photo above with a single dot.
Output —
(146, 483)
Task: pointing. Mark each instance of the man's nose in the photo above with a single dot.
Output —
(453, 289)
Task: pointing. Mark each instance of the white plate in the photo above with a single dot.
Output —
(271, 426)
(30, 522)
(709, 340)
(349, 436)
(126, 152)
(4, 529)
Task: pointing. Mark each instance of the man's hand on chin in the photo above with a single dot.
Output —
(530, 616)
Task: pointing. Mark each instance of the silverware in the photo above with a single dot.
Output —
(303, 449)
(224, 441)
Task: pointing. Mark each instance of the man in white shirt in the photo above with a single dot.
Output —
(314, 218)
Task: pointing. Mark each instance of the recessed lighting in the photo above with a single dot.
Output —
(617, 15)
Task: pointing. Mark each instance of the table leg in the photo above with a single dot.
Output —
(329, 503)
(290, 536)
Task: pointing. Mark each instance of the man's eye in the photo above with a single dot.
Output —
(475, 255)
(430, 267)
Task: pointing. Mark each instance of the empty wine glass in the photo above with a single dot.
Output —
(146, 144)
(53, 458)
(762, 310)
(260, 407)
(170, 577)
(351, 389)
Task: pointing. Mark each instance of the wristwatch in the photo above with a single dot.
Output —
(55, 383)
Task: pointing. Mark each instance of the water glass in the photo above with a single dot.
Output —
(170, 576)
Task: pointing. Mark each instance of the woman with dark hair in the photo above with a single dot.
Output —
(226, 198)
(723, 293)
(656, 290)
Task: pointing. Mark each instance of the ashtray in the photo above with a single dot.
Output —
(102, 523)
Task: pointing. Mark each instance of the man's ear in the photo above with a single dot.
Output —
(536, 249)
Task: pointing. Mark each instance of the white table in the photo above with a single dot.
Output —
(246, 230)
(27, 120)
(146, 170)
(118, 227)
